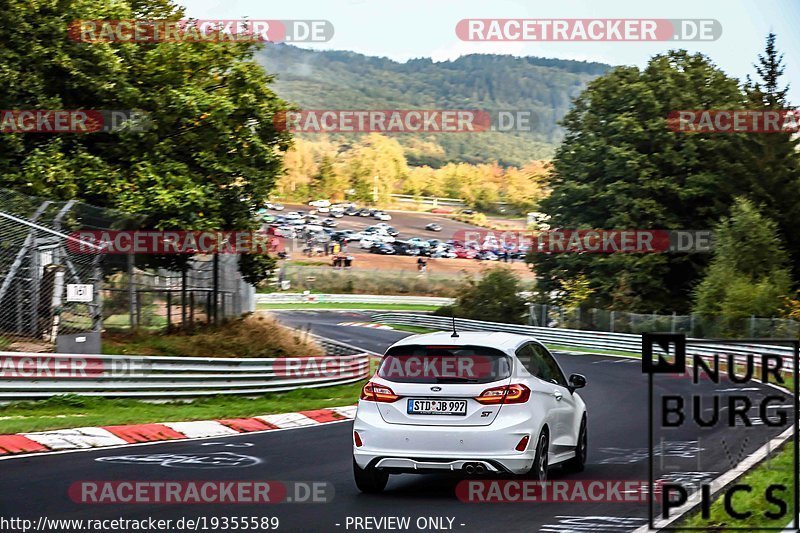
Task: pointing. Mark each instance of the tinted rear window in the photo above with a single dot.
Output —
(444, 364)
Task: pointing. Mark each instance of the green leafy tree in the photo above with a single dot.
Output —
(748, 274)
(621, 167)
(211, 154)
(774, 182)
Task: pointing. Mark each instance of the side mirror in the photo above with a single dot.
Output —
(576, 381)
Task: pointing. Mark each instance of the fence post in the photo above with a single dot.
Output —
(169, 310)
(752, 326)
(216, 288)
(183, 297)
(544, 315)
(611, 328)
(691, 324)
(674, 322)
(131, 293)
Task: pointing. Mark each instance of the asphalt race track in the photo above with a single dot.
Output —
(616, 397)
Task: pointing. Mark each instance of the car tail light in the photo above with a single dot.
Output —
(372, 392)
(357, 439)
(517, 393)
(520, 447)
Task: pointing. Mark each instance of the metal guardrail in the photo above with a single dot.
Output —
(297, 297)
(27, 376)
(598, 340)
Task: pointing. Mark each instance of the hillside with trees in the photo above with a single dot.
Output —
(347, 80)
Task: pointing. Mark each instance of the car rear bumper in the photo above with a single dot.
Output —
(420, 448)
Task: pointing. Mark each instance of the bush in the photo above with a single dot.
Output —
(253, 336)
(495, 298)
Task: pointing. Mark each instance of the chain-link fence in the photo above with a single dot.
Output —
(52, 288)
(692, 325)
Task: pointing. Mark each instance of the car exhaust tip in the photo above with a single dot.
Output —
(469, 469)
(480, 469)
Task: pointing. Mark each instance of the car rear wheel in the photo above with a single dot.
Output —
(370, 479)
(538, 471)
(578, 463)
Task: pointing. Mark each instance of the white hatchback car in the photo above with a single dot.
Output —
(473, 403)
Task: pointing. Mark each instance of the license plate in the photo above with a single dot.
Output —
(437, 407)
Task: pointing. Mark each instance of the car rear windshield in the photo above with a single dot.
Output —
(444, 364)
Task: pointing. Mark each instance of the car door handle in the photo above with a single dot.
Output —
(557, 395)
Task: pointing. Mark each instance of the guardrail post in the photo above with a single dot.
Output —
(752, 326)
(674, 325)
(611, 327)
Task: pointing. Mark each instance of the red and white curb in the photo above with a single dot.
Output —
(372, 325)
(99, 437)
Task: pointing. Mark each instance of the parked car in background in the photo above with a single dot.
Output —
(465, 252)
(351, 211)
(274, 207)
(419, 242)
(330, 223)
(383, 249)
(433, 226)
(293, 215)
(320, 203)
(382, 216)
(486, 255)
(364, 212)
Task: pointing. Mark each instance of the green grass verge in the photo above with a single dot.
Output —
(412, 329)
(775, 470)
(76, 411)
(333, 305)
(562, 348)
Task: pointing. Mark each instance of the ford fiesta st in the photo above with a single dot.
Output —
(470, 402)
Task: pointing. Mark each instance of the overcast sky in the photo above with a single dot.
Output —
(426, 28)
